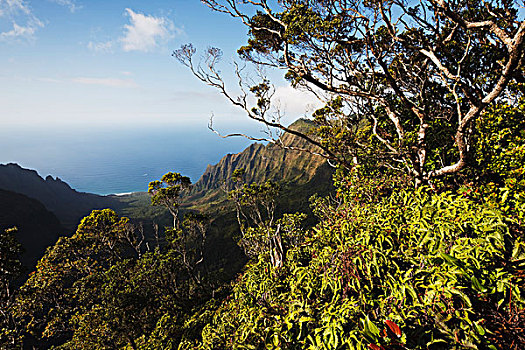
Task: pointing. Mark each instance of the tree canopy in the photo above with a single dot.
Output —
(404, 81)
(168, 191)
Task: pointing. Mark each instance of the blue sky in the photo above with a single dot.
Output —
(100, 62)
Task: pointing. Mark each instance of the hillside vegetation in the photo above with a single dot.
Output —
(421, 244)
(447, 271)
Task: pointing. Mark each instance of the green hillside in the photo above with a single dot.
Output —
(261, 163)
(300, 175)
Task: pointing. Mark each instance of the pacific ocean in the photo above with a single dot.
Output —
(114, 159)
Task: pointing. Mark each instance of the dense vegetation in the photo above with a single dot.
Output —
(385, 268)
(422, 245)
(446, 269)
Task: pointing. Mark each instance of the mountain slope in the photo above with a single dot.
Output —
(57, 196)
(37, 227)
(261, 162)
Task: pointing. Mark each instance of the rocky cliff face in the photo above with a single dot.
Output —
(262, 162)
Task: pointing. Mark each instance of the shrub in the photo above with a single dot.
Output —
(412, 270)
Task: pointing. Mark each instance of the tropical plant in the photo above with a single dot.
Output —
(168, 193)
(412, 270)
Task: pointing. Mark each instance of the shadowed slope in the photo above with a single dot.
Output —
(37, 227)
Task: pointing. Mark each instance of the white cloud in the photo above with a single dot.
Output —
(295, 102)
(104, 46)
(19, 20)
(22, 22)
(11, 7)
(111, 82)
(145, 33)
(71, 4)
(18, 31)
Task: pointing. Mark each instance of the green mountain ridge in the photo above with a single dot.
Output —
(262, 162)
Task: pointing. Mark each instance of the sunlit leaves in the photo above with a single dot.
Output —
(168, 191)
(405, 271)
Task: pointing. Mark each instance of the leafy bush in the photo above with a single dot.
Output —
(412, 270)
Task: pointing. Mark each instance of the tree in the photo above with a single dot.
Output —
(99, 290)
(186, 240)
(404, 81)
(255, 203)
(56, 292)
(168, 191)
(189, 243)
(500, 146)
(255, 207)
(261, 232)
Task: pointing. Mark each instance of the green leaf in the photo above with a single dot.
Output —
(370, 328)
(479, 329)
(477, 285)
(451, 260)
(462, 296)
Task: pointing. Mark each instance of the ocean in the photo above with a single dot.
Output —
(113, 160)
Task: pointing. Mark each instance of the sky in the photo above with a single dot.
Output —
(105, 63)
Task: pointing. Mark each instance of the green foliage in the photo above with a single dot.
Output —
(99, 289)
(257, 201)
(167, 192)
(442, 268)
(10, 269)
(127, 301)
(188, 244)
(404, 83)
(500, 146)
(499, 175)
(261, 234)
(255, 205)
(53, 293)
